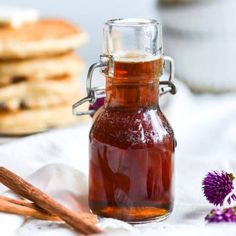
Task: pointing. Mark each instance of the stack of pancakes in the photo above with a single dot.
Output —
(38, 75)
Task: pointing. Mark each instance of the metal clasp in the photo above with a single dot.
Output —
(92, 93)
(169, 86)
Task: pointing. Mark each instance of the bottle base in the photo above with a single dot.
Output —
(134, 215)
(156, 219)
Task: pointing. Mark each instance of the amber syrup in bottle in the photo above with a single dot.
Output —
(132, 146)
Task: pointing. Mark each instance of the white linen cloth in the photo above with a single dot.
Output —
(57, 162)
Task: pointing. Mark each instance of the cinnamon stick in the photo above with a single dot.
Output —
(29, 209)
(12, 208)
(21, 202)
(27, 190)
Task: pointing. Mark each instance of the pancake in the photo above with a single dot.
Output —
(42, 38)
(38, 69)
(40, 94)
(37, 120)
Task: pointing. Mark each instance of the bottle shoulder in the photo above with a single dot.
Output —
(132, 129)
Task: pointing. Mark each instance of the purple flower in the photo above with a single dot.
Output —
(217, 185)
(221, 215)
(96, 105)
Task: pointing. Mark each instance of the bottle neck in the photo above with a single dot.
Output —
(134, 84)
(134, 95)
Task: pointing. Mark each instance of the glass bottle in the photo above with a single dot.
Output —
(131, 143)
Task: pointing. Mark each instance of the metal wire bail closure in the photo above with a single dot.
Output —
(92, 93)
(98, 92)
(169, 86)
